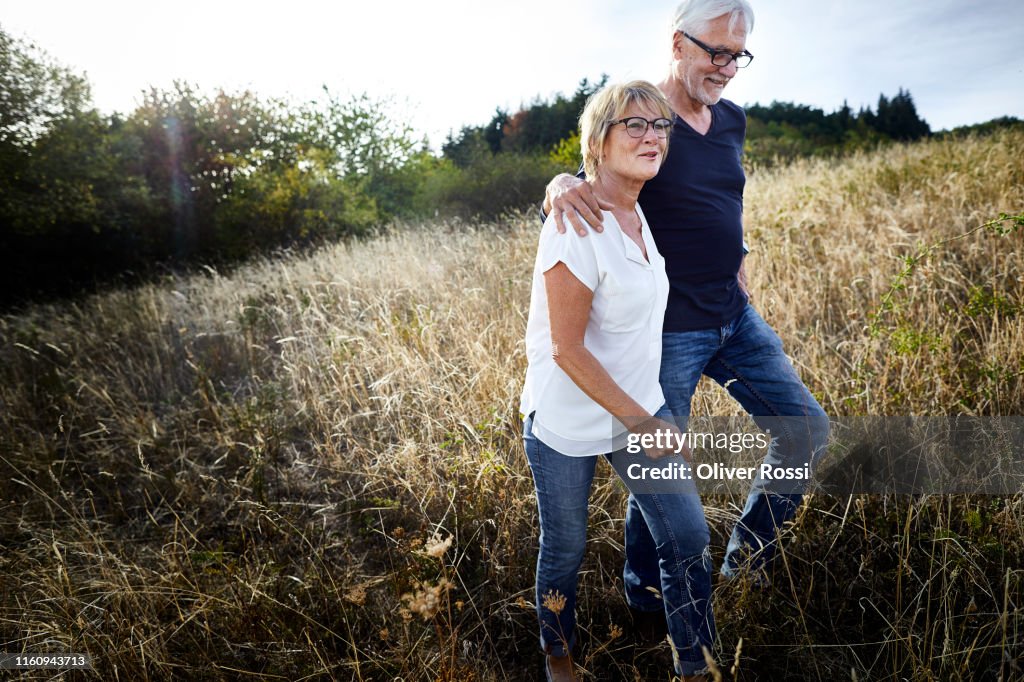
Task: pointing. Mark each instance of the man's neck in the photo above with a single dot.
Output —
(693, 111)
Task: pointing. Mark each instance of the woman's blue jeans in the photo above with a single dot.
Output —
(668, 565)
(746, 357)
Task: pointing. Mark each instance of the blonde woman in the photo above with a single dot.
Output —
(593, 344)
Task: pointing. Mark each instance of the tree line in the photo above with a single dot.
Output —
(189, 178)
(784, 130)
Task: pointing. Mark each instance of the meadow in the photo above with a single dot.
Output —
(311, 468)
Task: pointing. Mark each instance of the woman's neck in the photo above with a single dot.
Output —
(619, 192)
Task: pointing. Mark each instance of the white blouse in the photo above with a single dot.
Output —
(623, 333)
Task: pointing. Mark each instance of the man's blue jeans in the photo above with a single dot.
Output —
(666, 550)
(746, 357)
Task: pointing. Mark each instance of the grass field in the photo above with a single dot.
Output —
(256, 476)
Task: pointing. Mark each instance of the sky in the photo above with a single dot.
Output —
(448, 63)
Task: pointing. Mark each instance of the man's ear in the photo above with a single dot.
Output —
(677, 44)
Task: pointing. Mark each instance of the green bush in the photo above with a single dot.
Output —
(491, 185)
(300, 203)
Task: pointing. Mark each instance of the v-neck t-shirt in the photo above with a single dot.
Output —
(695, 208)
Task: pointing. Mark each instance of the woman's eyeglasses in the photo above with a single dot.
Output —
(636, 126)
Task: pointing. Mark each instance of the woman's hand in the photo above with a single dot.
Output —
(569, 199)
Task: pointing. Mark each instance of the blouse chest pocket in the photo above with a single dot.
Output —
(629, 299)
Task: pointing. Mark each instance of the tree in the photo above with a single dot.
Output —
(34, 92)
(494, 132)
(37, 98)
(363, 138)
(467, 146)
(191, 150)
(537, 128)
(903, 121)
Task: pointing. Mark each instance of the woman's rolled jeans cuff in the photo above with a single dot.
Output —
(666, 550)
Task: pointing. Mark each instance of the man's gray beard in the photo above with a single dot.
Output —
(700, 94)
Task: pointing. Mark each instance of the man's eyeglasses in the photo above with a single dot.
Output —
(636, 126)
(723, 57)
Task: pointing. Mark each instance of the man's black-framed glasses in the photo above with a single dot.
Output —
(723, 57)
(636, 126)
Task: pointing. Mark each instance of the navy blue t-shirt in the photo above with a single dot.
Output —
(695, 209)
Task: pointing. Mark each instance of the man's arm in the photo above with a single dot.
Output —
(741, 276)
(573, 199)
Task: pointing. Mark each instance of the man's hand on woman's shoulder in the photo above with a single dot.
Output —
(572, 200)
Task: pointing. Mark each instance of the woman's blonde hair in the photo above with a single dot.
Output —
(606, 106)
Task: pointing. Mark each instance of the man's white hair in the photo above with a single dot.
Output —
(694, 16)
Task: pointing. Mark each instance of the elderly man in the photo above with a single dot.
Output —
(694, 207)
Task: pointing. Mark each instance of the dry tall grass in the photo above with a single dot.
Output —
(256, 476)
